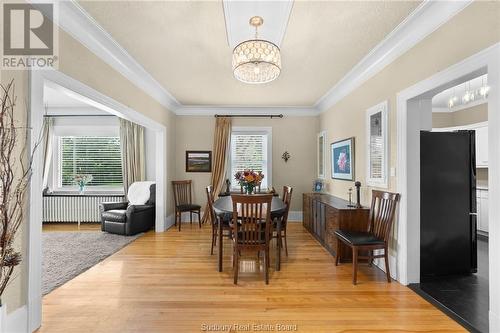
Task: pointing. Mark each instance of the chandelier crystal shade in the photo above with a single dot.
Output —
(256, 61)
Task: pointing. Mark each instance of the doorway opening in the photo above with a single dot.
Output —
(101, 114)
(453, 203)
(415, 115)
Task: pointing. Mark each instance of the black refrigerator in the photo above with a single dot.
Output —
(448, 216)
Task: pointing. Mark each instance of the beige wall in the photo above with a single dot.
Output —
(78, 62)
(297, 135)
(15, 293)
(472, 115)
(469, 32)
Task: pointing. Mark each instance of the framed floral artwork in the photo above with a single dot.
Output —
(342, 154)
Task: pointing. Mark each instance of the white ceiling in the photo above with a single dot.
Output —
(274, 13)
(60, 103)
(440, 101)
(53, 98)
(184, 46)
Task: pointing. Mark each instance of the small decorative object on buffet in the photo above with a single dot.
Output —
(249, 180)
(318, 185)
(82, 181)
(358, 194)
(350, 198)
(286, 156)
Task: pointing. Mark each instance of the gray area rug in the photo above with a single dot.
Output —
(68, 254)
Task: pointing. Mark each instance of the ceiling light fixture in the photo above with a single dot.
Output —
(256, 60)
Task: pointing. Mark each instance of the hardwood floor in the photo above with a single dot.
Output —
(48, 227)
(168, 282)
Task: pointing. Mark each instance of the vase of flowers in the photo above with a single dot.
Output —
(82, 181)
(249, 180)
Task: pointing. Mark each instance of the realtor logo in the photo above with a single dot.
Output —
(28, 35)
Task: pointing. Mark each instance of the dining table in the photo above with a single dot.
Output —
(223, 207)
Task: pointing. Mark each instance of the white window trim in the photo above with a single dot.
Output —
(384, 181)
(321, 134)
(268, 131)
(56, 176)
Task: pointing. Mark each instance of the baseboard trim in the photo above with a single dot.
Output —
(17, 321)
(494, 322)
(295, 216)
(169, 222)
(393, 264)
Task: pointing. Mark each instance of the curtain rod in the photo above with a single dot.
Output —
(249, 116)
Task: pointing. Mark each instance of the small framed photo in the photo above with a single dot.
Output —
(342, 154)
(318, 185)
(198, 161)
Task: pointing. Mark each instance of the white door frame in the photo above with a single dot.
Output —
(82, 92)
(409, 123)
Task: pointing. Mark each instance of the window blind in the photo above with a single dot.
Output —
(96, 156)
(249, 151)
(376, 147)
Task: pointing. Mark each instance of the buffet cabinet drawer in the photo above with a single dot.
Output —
(324, 214)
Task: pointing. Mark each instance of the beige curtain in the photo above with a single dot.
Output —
(48, 133)
(222, 138)
(132, 146)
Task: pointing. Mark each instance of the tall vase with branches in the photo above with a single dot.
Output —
(15, 174)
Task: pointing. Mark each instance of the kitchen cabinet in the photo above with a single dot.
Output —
(482, 210)
(481, 146)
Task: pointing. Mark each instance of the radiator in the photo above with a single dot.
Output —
(75, 208)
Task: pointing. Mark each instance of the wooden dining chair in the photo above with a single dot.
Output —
(382, 214)
(287, 198)
(183, 201)
(252, 232)
(225, 219)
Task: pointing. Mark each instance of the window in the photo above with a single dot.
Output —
(251, 149)
(377, 145)
(94, 155)
(321, 154)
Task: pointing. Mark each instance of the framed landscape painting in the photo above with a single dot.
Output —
(342, 154)
(198, 161)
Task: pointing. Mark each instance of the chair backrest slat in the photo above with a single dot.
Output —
(287, 199)
(254, 214)
(210, 200)
(182, 192)
(382, 213)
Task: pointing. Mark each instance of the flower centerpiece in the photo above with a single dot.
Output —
(249, 179)
(82, 181)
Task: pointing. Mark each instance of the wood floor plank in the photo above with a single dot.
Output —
(168, 282)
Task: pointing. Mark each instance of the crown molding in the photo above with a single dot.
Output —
(80, 25)
(424, 20)
(211, 110)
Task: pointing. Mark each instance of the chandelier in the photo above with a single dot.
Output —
(256, 61)
(470, 94)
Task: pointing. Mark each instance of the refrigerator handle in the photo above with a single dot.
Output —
(473, 214)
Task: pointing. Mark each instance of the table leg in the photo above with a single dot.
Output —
(220, 243)
(278, 245)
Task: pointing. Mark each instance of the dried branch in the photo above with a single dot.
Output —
(15, 174)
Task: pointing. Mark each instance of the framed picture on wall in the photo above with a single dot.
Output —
(321, 154)
(198, 161)
(377, 145)
(342, 155)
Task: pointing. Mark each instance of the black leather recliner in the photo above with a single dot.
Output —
(128, 219)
